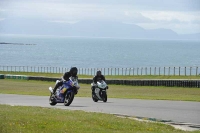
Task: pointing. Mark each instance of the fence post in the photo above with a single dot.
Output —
(150, 70)
(141, 70)
(185, 71)
(174, 71)
(164, 71)
(145, 70)
(118, 71)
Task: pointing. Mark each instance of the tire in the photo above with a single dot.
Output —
(104, 96)
(94, 98)
(51, 101)
(68, 98)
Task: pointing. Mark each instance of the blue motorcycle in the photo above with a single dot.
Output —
(64, 94)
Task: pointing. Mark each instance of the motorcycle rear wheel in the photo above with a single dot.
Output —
(51, 101)
(69, 98)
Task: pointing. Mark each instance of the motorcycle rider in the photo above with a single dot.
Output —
(96, 78)
(71, 74)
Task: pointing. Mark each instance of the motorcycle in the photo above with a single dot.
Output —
(100, 91)
(65, 93)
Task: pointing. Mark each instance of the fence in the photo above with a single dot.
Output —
(109, 71)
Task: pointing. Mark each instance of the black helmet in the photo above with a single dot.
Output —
(73, 71)
(66, 76)
(98, 72)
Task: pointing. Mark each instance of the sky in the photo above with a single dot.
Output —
(181, 16)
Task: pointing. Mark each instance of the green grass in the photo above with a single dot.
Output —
(29, 87)
(20, 119)
(107, 77)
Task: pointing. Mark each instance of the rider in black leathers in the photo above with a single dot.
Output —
(72, 73)
(96, 78)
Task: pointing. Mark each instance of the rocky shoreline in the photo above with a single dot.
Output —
(16, 43)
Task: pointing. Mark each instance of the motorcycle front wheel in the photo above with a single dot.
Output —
(52, 100)
(94, 98)
(69, 97)
(104, 96)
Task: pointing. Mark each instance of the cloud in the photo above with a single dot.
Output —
(135, 17)
(1, 19)
(116, 10)
(64, 22)
(171, 15)
(148, 14)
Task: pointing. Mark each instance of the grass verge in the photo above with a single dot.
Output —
(20, 119)
(28, 87)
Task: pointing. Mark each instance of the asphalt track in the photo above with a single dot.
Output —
(168, 111)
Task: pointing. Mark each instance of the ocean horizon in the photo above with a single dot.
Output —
(86, 52)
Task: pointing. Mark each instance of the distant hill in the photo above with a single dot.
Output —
(88, 29)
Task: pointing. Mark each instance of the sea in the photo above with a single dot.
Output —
(86, 52)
